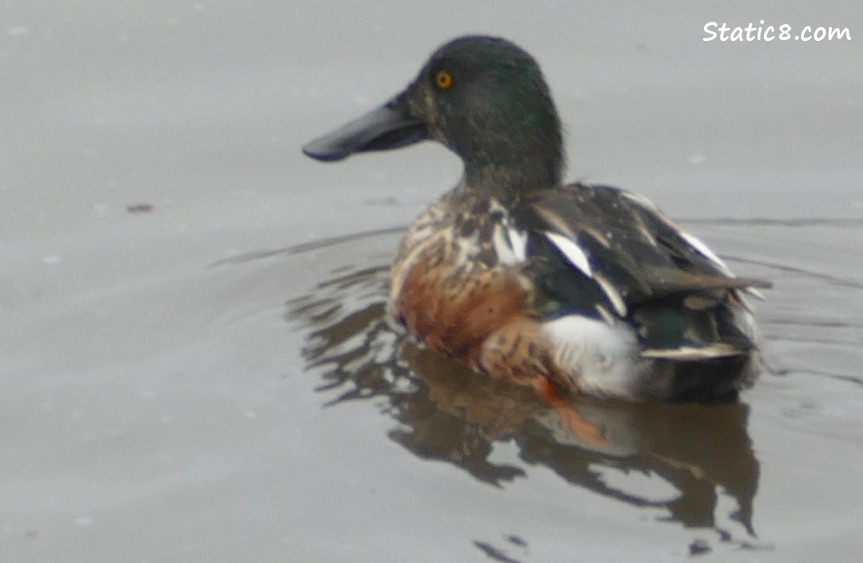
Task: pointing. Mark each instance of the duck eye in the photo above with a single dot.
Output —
(443, 79)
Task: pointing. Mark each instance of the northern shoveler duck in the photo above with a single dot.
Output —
(585, 288)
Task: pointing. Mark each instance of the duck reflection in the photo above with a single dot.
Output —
(447, 412)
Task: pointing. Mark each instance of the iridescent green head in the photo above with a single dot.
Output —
(485, 99)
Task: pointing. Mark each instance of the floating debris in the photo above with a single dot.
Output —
(139, 207)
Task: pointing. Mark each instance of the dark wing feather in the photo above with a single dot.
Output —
(637, 248)
(681, 298)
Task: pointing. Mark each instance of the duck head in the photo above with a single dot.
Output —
(482, 97)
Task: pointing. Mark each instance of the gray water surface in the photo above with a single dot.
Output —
(195, 365)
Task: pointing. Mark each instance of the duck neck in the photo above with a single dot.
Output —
(504, 176)
(507, 153)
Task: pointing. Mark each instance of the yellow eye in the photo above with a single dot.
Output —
(443, 79)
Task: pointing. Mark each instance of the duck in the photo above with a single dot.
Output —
(578, 288)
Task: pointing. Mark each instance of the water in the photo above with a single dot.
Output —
(195, 365)
(686, 466)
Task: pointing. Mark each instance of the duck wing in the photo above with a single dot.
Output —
(604, 252)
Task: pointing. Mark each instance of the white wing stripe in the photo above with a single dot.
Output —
(704, 250)
(518, 241)
(502, 247)
(571, 252)
(613, 295)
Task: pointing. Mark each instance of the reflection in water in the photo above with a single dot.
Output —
(447, 412)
